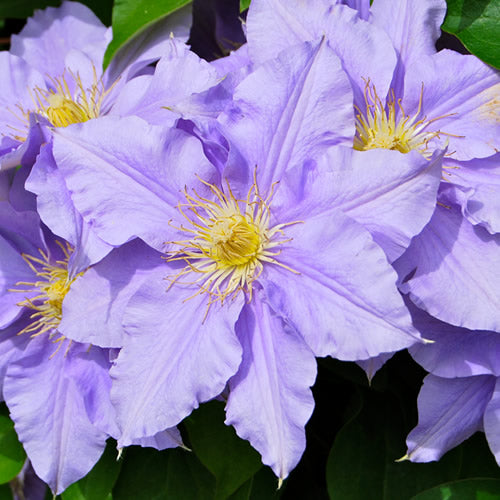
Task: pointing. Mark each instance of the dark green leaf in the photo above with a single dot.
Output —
(5, 492)
(230, 459)
(148, 474)
(477, 25)
(362, 459)
(24, 8)
(468, 489)
(130, 17)
(99, 482)
(12, 455)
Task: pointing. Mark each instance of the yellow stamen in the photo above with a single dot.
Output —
(229, 242)
(53, 286)
(62, 106)
(389, 127)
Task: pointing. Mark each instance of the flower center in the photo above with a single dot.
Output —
(230, 240)
(389, 127)
(62, 107)
(51, 288)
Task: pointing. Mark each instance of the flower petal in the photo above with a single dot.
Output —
(94, 306)
(342, 296)
(50, 416)
(457, 277)
(174, 358)
(288, 110)
(492, 422)
(450, 411)
(456, 352)
(275, 376)
(467, 91)
(134, 191)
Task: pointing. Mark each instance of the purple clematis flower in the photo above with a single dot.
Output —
(262, 269)
(408, 98)
(57, 390)
(461, 395)
(53, 77)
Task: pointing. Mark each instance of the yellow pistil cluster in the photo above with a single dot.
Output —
(53, 285)
(229, 242)
(389, 127)
(62, 107)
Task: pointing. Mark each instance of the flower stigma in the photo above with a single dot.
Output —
(389, 127)
(229, 242)
(52, 286)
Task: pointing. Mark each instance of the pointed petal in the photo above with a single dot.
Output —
(457, 278)
(172, 359)
(342, 297)
(275, 376)
(450, 411)
(50, 416)
(288, 110)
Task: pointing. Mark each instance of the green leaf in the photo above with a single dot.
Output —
(477, 25)
(20, 9)
(362, 459)
(99, 482)
(468, 489)
(5, 492)
(230, 459)
(12, 455)
(130, 17)
(148, 474)
(244, 4)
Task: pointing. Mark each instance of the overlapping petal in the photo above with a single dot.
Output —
(303, 110)
(457, 271)
(94, 306)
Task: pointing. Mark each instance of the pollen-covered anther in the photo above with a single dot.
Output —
(389, 127)
(50, 290)
(229, 242)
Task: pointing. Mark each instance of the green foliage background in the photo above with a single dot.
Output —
(357, 430)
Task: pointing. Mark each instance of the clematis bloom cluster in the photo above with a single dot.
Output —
(183, 230)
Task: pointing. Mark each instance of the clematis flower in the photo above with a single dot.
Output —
(57, 390)
(461, 394)
(416, 101)
(262, 270)
(53, 77)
